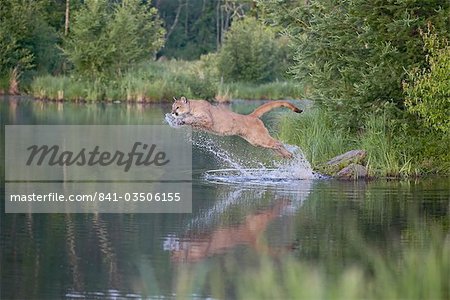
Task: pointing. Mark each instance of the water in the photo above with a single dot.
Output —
(247, 203)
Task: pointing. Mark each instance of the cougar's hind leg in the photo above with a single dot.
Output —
(271, 143)
(282, 151)
(260, 136)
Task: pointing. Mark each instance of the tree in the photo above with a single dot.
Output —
(249, 52)
(136, 33)
(191, 27)
(106, 39)
(197, 27)
(428, 89)
(354, 54)
(26, 40)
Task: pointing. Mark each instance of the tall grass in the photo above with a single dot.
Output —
(384, 157)
(312, 131)
(158, 81)
(268, 91)
(67, 88)
(320, 141)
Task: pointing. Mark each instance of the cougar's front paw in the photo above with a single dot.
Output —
(173, 121)
(180, 121)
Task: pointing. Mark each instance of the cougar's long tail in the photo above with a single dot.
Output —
(258, 112)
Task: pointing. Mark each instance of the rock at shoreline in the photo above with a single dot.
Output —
(346, 166)
(343, 160)
(352, 172)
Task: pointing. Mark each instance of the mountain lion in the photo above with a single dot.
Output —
(218, 120)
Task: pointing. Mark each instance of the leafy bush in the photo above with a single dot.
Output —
(107, 39)
(428, 89)
(354, 53)
(27, 42)
(250, 53)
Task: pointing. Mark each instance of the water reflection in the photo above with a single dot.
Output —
(329, 224)
(195, 247)
(325, 222)
(24, 110)
(220, 228)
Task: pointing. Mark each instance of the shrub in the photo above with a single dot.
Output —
(354, 53)
(250, 53)
(428, 89)
(106, 40)
(27, 42)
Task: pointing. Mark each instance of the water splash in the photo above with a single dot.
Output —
(298, 167)
(250, 171)
(278, 173)
(172, 121)
(206, 143)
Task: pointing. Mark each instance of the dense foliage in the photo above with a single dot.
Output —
(197, 27)
(109, 38)
(251, 53)
(27, 41)
(355, 54)
(367, 67)
(428, 89)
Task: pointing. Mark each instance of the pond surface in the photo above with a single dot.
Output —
(319, 221)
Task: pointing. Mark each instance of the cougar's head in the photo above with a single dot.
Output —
(180, 107)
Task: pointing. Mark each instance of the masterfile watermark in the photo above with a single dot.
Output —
(119, 168)
(53, 156)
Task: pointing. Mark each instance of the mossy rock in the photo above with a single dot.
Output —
(352, 172)
(336, 164)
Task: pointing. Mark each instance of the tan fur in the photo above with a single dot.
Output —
(202, 115)
(225, 238)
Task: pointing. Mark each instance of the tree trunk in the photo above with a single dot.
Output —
(14, 82)
(175, 22)
(186, 19)
(66, 27)
(218, 25)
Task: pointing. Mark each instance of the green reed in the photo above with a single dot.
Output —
(313, 132)
(158, 81)
(387, 156)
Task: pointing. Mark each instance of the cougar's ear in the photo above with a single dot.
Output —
(174, 99)
(184, 99)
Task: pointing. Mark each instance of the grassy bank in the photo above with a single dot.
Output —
(391, 152)
(159, 81)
